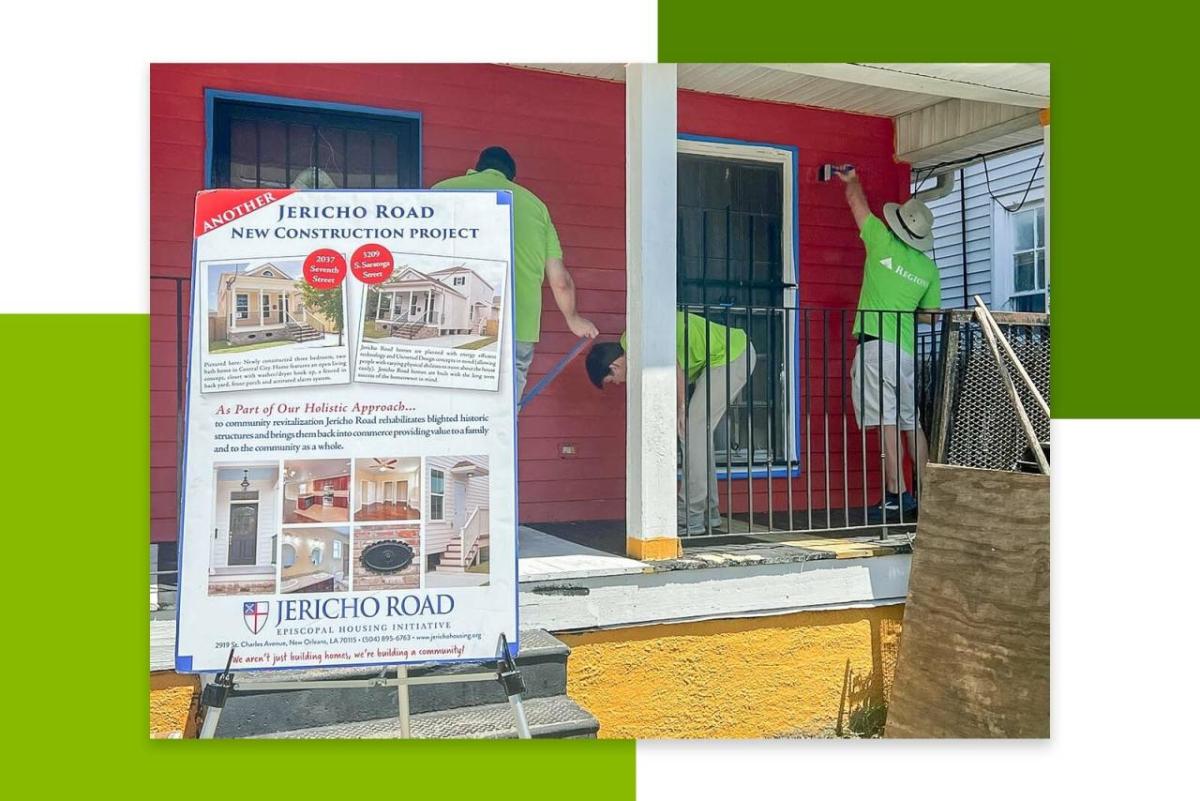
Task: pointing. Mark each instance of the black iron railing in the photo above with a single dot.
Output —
(786, 451)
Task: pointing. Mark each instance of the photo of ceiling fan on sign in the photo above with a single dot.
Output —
(387, 488)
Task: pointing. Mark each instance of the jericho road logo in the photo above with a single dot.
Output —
(255, 614)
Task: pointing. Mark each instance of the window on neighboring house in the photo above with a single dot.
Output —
(437, 494)
(731, 254)
(243, 307)
(460, 280)
(1029, 284)
(260, 144)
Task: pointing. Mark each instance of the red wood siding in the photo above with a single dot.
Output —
(830, 271)
(568, 136)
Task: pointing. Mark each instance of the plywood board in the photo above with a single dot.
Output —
(974, 655)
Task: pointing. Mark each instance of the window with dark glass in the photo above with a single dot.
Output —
(731, 271)
(260, 145)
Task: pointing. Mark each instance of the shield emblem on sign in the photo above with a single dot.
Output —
(254, 615)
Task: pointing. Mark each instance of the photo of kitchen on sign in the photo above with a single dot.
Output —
(266, 326)
(316, 491)
(436, 321)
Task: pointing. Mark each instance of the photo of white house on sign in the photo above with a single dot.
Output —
(436, 321)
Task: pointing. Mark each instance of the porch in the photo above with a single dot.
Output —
(263, 309)
(791, 461)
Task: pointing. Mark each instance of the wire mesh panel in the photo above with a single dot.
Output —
(977, 425)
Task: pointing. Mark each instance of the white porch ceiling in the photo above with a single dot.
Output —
(942, 111)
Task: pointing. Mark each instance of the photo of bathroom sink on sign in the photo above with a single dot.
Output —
(314, 559)
(316, 491)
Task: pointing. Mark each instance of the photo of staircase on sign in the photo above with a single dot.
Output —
(457, 528)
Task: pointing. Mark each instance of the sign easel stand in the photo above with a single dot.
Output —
(218, 690)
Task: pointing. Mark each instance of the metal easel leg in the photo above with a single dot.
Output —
(212, 698)
(514, 686)
(402, 701)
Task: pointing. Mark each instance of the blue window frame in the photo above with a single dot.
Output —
(263, 142)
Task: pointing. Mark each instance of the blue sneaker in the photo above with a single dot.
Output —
(889, 507)
(892, 506)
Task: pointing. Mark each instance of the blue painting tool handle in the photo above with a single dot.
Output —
(549, 377)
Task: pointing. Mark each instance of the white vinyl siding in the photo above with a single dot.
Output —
(1009, 175)
(439, 532)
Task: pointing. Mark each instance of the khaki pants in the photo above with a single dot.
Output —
(698, 492)
(523, 355)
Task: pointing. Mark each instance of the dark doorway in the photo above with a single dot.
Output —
(243, 533)
(731, 270)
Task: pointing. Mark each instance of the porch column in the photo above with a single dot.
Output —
(650, 212)
(378, 304)
(1044, 118)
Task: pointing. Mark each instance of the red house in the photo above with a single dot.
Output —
(755, 231)
(693, 186)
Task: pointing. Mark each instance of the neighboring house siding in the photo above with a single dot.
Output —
(568, 135)
(1009, 175)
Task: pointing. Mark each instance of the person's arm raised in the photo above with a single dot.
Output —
(855, 195)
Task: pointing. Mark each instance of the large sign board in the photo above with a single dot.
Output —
(349, 481)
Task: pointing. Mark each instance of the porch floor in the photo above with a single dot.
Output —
(608, 536)
(557, 551)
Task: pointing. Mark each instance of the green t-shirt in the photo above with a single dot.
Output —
(895, 276)
(535, 240)
(725, 344)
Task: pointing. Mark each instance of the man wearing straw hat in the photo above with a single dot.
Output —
(897, 277)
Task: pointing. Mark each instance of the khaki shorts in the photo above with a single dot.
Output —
(875, 364)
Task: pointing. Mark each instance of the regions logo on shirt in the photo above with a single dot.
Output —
(903, 273)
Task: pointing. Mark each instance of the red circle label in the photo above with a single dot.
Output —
(372, 264)
(325, 269)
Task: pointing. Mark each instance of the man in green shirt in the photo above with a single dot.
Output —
(897, 277)
(717, 361)
(538, 255)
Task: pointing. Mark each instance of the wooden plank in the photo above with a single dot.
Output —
(974, 656)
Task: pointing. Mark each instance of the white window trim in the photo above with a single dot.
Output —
(1002, 245)
(786, 158)
(238, 312)
(441, 494)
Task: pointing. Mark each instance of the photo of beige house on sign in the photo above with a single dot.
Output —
(263, 306)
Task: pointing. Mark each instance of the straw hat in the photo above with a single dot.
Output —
(912, 222)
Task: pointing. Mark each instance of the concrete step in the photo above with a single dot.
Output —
(542, 660)
(556, 716)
